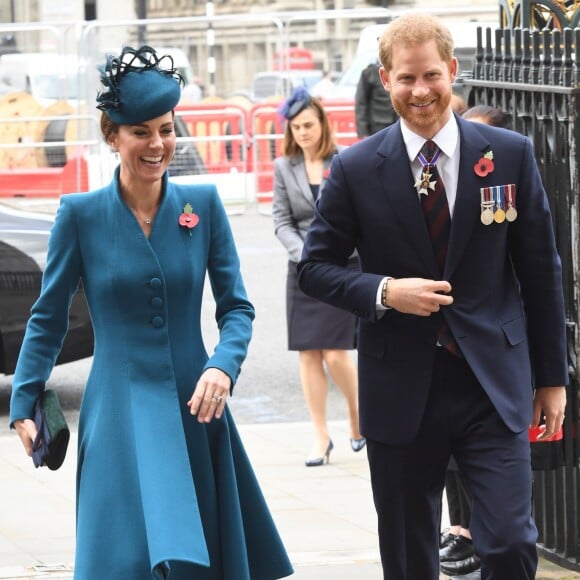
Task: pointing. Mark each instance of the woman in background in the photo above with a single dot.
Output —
(323, 335)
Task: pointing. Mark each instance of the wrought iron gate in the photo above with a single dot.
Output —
(534, 77)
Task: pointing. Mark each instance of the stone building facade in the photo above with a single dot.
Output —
(243, 37)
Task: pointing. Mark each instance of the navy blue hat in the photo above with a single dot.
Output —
(299, 100)
(137, 88)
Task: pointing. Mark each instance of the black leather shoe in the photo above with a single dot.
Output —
(458, 549)
(461, 567)
(471, 576)
(446, 538)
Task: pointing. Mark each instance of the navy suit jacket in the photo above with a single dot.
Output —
(508, 312)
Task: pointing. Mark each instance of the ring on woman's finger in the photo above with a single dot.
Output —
(217, 399)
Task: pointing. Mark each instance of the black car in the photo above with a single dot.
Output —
(23, 245)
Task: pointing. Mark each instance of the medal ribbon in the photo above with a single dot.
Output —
(423, 160)
(511, 195)
(499, 196)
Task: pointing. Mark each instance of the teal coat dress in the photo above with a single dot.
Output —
(159, 495)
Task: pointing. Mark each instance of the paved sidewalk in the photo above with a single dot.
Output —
(325, 515)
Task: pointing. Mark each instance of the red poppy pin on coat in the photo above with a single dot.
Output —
(485, 165)
(188, 219)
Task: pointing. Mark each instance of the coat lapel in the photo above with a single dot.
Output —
(397, 182)
(299, 173)
(468, 202)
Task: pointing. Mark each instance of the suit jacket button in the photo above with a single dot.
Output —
(155, 283)
(157, 321)
(156, 302)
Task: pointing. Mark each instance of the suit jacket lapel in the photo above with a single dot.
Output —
(398, 185)
(299, 172)
(468, 201)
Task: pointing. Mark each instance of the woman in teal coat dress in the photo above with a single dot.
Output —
(164, 486)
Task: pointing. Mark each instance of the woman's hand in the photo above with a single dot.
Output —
(26, 430)
(210, 394)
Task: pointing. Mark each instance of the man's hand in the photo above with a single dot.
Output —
(418, 296)
(549, 402)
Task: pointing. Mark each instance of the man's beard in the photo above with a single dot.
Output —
(416, 118)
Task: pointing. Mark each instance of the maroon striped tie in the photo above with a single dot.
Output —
(436, 210)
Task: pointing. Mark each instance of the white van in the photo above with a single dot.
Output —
(47, 77)
(464, 38)
(282, 83)
(180, 62)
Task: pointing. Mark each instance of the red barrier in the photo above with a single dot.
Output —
(220, 133)
(229, 137)
(268, 129)
(45, 181)
(342, 120)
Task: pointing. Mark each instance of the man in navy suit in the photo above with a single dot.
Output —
(462, 328)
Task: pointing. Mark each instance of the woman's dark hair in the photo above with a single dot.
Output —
(490, 115)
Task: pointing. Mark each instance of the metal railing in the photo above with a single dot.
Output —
(534, 77)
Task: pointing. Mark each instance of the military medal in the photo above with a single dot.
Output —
(486, 206)
(511, 214)
(487, 216)
(499, 213)
(424, 183)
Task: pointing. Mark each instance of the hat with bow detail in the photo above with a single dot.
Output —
(138, 86)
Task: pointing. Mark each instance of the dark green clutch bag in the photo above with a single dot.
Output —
(51, 442)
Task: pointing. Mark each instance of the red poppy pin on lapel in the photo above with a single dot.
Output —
(485, 165)
(326, 173)
(188, 219)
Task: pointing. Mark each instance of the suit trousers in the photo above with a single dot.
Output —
(458, 499)
(407, 483)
